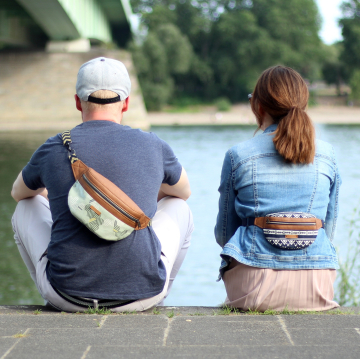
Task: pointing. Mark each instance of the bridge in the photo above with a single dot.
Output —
(33, 23)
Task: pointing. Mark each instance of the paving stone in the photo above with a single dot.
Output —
(5, 345)
(99, 336)
(220, 352)
(136, 322)
(35, 350)
(322, 321)
(53, 321)
(330, 337)
(232, 329)
(8, 332)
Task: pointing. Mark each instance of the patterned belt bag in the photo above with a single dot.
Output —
(289, 230)
(99, 204)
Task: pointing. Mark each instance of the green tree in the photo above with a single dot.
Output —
(164, 53)
(334, 70)
(350, 55)
(355, 86)
(233, 41)
(350, 24)
(255, 35)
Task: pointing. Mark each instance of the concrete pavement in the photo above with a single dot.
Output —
(177, 332)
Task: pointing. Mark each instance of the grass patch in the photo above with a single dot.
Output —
(19, 335)
(37, 311)
(226, 310)
(347, 291)
(339, 312)
(101, 311)
(156, 311)
(170, 314)
(197, 314)
(127, 313)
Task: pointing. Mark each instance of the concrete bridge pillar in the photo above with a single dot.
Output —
(37, 90)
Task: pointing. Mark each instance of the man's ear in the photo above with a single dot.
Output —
(78, 102)
(126, 104)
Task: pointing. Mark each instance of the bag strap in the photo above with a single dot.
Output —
(66, 137)
(261, 222)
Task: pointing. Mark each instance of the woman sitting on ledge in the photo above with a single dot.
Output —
(278, 205)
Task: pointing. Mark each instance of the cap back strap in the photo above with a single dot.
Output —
(104, 101)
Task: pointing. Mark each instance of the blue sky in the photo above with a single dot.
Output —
(330, 12)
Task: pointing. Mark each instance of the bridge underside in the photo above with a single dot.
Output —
(31, 23)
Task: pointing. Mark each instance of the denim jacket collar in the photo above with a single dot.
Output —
(271, 128)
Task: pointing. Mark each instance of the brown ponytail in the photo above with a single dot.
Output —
(283, 94)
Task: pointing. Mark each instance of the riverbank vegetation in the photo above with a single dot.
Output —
(206, 50)
(347, 291)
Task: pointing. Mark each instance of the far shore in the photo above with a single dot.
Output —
(238, 115)
(242, 115)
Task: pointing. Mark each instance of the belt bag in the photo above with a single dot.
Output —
(290, 230)
(99, 204)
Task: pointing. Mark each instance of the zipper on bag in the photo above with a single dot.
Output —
(109, 201)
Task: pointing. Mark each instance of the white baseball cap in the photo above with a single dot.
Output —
(103, 74)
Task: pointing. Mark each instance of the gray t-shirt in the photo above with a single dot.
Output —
(80, 263)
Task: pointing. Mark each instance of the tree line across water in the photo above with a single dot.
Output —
(197, 51)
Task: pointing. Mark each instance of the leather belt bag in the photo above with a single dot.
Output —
(288, 230)
(99, 204)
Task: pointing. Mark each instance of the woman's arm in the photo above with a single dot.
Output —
(333, 207)
(227, 220)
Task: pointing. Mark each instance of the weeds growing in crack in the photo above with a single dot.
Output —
(101, 311)
(170, 314)
(347, 289)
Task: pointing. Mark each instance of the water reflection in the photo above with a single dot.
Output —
(201, 151)
(16, 286)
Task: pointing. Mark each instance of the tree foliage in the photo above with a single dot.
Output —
(218, 48)
(334, 71)
(350, 55)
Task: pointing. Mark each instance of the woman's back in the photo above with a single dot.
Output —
(265, 183)
(282, 170)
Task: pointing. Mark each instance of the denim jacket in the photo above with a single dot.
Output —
(256, 181)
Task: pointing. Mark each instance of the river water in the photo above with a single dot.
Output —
(201, 151)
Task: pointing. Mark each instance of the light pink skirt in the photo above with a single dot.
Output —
(263, 288)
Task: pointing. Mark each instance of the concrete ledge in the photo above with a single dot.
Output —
(177, 332)
(178, 311)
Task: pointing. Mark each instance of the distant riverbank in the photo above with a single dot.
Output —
(238, 115)
(242, 115)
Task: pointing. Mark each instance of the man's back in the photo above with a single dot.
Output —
(137, 162)
(71, 266)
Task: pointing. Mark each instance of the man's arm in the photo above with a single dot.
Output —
(21, 191)
(181, 189)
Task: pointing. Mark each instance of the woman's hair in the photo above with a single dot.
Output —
(283, 94)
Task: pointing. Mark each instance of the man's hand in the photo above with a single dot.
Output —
(181, 189)
(21, 191)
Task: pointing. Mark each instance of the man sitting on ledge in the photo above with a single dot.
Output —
(71, 266)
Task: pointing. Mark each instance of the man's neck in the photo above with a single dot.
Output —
(101, 116)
